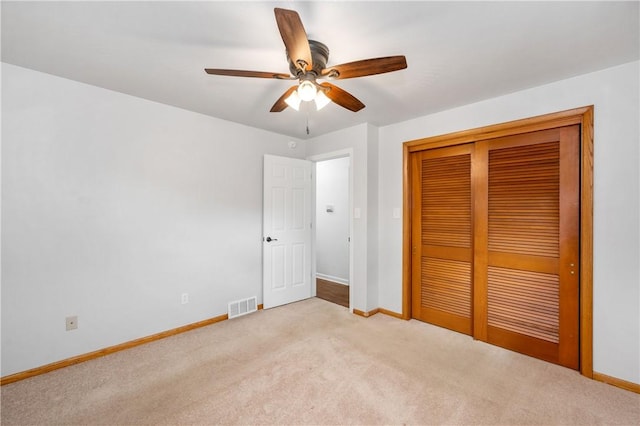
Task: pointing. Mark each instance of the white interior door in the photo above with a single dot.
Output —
(286, 243)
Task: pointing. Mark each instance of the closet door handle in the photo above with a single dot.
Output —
(269, 239)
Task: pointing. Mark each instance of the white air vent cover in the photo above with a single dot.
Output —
(243, 307)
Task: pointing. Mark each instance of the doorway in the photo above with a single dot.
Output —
(332, 200)
(451, 284)
(333, 224)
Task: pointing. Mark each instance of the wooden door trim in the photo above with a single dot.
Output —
(582, 116)
(510, 128)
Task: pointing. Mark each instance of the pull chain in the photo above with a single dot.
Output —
(307, 123)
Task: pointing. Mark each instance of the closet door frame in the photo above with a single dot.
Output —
(582, 116)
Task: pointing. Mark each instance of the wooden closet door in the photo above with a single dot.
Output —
(526, 271)
(442, 247)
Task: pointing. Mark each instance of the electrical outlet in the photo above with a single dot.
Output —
(71, 323)
(185, 298)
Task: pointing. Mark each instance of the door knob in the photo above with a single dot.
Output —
(269, 239)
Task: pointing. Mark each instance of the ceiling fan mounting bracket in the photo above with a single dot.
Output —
(319, 57)
(332, 74)
(300, 66)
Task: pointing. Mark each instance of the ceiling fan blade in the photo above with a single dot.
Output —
(280, 103)
(294, 37)
(242, 73)
(342, 97)
(366, 67)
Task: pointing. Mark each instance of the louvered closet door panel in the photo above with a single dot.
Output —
(442, 237)
(531, 277)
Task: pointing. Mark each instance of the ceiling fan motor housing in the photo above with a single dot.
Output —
(319, 56)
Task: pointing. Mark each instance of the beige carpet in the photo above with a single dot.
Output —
(312, 362)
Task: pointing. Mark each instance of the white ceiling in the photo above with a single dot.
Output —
(457, 52)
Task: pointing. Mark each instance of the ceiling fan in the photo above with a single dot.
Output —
(308, 63)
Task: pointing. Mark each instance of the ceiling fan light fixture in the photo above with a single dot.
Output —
(293, 100)
(307, 91)
(321, 100)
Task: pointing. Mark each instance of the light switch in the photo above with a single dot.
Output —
(356, 213)
(396, 212)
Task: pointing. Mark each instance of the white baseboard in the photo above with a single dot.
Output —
(332, 278)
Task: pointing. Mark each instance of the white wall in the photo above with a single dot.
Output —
(616, 292)
(372, 218)
(332, 228)
(112, 206)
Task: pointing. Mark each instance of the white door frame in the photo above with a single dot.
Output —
(348, 152)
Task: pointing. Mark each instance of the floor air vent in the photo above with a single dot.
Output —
(243, 307)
